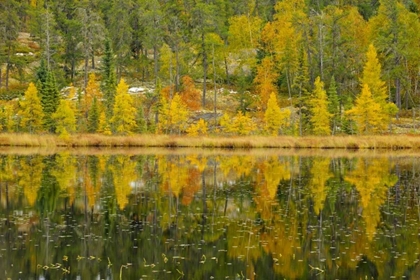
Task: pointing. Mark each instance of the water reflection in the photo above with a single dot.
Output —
(195, 216)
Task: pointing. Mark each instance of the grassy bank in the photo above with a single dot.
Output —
(389, 142)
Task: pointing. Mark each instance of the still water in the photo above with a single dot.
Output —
(219, 215)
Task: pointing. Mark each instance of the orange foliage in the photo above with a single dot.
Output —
(190, 94)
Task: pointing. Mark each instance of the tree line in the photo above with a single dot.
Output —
(298, 67)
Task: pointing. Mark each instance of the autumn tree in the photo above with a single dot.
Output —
(265, 81)
(372, 78)
(173, 115)
(240, 124)
(274, 117)
(124, 113)
(199, 128)
(65, 119)
(190, 95)
(31, 114)
(367, 113)
(320, 117)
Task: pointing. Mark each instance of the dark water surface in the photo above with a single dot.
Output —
(219, 216)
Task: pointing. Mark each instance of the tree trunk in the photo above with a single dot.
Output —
(8, 67)
(86, 71)
(156, 66)
(203, 46)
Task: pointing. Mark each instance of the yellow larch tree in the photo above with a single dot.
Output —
(198, 129)
(173, 115)
(92, 91)
(65, 119)
(190, 95)
(124, 114)
(240, 124)
(366, 113)
(31, 113)
(265, 81)
(274, 118)
(372, 77)
(320, 117)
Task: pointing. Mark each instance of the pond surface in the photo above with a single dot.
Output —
(209, 216)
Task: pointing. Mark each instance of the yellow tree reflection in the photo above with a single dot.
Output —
(30, 176)
(124, 173)
(320, 174)
(372, 179)
(65, 174)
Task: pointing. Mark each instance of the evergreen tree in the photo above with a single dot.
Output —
(93, 117)
(141, 121)
(50, 99)
(31, 114)
(124, 113)
(320, 117)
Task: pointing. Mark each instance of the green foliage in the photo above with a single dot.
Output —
(93, 117)
(50, 99)
(109, 80)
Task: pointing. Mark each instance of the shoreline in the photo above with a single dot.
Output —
(375, 142)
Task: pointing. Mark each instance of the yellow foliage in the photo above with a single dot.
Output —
(173, 115)
(320, 117)
(200, 128)
(124, 173)
(275, 119)
(31, 114)
(367, 113)
(265, 80)
(30, 176)
(124, 113)
(372, 179)
(65, 174)
(240, 124)
(92, 90)
(174, 174)
(320, 175)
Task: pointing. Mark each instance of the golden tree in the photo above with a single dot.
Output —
(320, 175)
(274, 117)
(367, 113)
(199, 128)
(320, 117)
(64, 119)
(240, 124)
(265, 80)
(372, 78)
(92, 91)
(173, 115)
(124, 113)
(31, 113)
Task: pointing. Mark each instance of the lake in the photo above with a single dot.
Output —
(182, 214)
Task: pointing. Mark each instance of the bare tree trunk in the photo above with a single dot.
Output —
(8, 67)
(203, 46)
(156, 66)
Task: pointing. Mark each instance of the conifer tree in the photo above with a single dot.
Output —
(93, 117)
(103, 126)
(274, 117)
(124, 113)
(50, 99)
(64, 119)
(31, 114)
(92, 91)
(367, 113)
(372, 78)
(320, 117)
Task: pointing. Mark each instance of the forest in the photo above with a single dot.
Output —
(209, 67)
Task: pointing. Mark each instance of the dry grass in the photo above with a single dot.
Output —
(386, 142)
